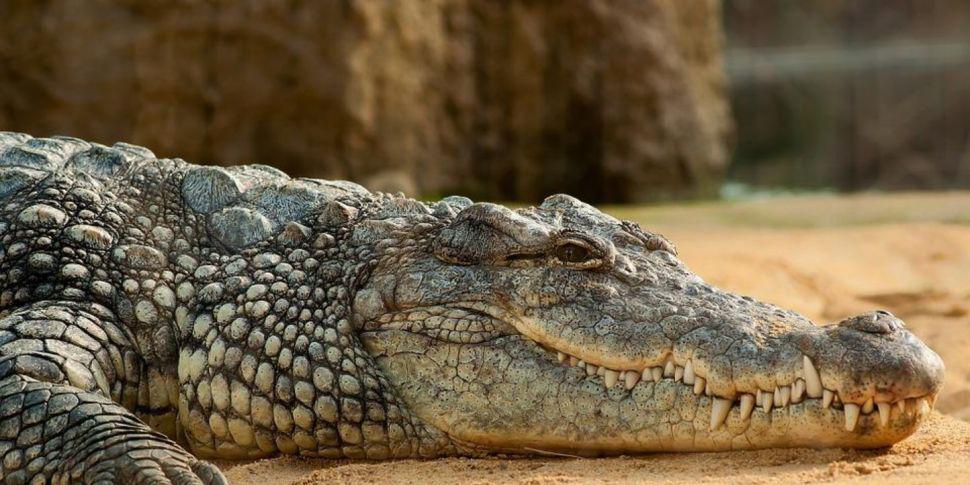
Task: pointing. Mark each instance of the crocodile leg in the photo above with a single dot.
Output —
(58, 422)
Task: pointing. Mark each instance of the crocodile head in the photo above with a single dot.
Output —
(559, 328)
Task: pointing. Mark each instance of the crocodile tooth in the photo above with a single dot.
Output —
(581, 364)
(573, 361)
(689, 373)
(699, 385)
(851, 416)
(678, 373)
(610, 377)
(784, 395)
(827, 396)
(631, 379)
(707, 388)
(884, 408)
(656, 373)
(669, 369)
(758, 397)
(923, 406)
(797, 391)
(747, 405)
(867, 407)
(561, 356)
(601, 371)
(813, 383)
(591, 369)
(719, 411)
(901, 404)
(767, 401)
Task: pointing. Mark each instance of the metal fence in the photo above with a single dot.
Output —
(847, 100)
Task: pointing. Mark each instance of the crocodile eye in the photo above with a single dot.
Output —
(573, 253)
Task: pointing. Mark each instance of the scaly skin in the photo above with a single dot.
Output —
(239, 313)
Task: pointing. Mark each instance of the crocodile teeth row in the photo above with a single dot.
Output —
(809, 386)
(610, 376)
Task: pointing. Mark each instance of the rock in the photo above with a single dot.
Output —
(608, 101)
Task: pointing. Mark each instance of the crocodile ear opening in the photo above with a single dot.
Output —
(524, 257)
(486, 233)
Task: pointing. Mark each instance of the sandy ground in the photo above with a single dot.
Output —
(826, 257)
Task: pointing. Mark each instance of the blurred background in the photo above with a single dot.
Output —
(616, 102)
(850, 95)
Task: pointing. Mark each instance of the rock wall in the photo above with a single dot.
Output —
(610, 101)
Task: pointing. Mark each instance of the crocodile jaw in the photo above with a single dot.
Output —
(511, 395)
(502, 381)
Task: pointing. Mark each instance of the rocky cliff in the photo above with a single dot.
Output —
(610, 101)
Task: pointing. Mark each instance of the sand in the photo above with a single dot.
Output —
(826, 257)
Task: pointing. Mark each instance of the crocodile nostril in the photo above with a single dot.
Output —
(878, 322)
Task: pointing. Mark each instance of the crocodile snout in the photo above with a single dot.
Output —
(873, 357)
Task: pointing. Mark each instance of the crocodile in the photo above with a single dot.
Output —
(155, 314)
